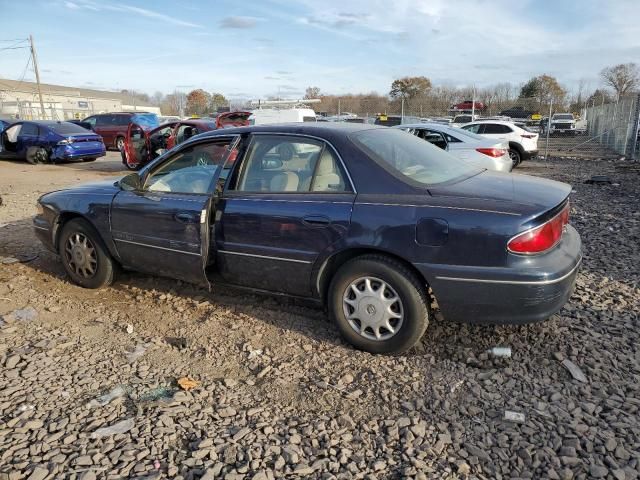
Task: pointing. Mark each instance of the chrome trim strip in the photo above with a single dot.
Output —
(231, 197)
(437, 206)
(41, 228)
(323, 140)
(155, 246)
(514, 282)
(263, 256)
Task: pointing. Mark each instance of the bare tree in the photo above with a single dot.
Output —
(623, 78)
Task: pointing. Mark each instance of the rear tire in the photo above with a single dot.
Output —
(516, 157)
(120, 143)
(84, 256)
(388, 293)
(36, 155)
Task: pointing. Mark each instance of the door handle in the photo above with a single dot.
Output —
(186, 217)
(316, 221)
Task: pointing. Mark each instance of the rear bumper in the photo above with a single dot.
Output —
(71, 153)
(529, 155)
(531, 290)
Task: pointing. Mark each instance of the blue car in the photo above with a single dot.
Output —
(369, 221)
(49, 141)
(5, 122)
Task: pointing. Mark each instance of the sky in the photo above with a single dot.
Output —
(260, 48)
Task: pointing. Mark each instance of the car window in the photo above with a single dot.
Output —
(475, 128)
(91, 121)
(278, 163)
(67, 128)
(495, 129)
(185, 132)
(104, 120)
(29, 129)
(411, 159)
(465, 133)
(121, 120)
(191, 170)
(435, 138)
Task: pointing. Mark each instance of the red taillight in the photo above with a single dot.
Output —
(541, 238)
(492, 152)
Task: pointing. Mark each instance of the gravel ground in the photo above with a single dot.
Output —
(89, 380)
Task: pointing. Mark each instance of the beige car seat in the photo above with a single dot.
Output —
(285, 182)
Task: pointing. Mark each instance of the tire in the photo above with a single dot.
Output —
(401, 284)
(119, 143)
(36, 155)
(516, 156)
(74, 232)
(89, 159)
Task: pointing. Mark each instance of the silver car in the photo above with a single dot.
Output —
(468, 147)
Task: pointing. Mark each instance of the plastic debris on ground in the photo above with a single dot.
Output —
(574, 370)
(254, 354)
(102, 400)
(598, 180)
(160, 393)
(129, 328)
(515, 417)
(187, 383)
(121, 427)
(136, 353)
(22, 315)
(501, 352)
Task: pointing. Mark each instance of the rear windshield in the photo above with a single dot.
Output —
(563, 117)
(411, 158)
(149, 120)
(66, 128)
(463, 119)
(462, 132)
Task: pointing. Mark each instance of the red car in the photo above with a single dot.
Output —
(142, 144)
(468, 105)
(112, 127)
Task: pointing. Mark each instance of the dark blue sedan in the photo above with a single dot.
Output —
(49, 141)
(370, 221)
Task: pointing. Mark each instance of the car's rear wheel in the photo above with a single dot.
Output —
(37, 155)
(378, 304)
(120, 143)
(515, 156)
(84, 256)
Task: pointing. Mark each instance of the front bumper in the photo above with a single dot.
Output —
(530, 290)
(43, 231)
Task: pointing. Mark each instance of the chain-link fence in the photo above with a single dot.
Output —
(615, 125)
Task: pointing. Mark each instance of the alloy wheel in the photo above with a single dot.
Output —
(373, 308)
(80, 255)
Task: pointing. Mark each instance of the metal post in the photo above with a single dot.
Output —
(402, 111)
(546, 150)
(473, 103)
(636, 129)
(338, 109)
(37, 72)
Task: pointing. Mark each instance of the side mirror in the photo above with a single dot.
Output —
(131, 182)
(272, 164)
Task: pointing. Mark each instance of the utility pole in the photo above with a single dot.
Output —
(473, 103)
(35, 68)
(402, 111)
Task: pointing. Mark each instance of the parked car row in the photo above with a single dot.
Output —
(369, 221)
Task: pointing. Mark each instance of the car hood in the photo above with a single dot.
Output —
(521, 192)
(103, 186)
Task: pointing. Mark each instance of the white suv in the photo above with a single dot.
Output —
(523, 143)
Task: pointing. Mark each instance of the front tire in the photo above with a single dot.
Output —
(120, 143)
(378, 304)
(84, 256)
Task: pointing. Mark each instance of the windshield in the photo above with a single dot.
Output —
(147, 120)
(409, 157)
(66, 128)
(563, 117)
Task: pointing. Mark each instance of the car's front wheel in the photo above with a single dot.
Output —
(378, 304)
(120, 143)
(84, 256)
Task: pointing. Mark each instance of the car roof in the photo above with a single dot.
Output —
(499, 122)
(305, 128)
(44, 123)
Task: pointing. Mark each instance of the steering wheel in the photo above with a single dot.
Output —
(203, 158)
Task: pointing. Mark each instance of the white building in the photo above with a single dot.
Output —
(21, 100)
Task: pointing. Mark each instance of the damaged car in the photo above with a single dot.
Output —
(49, 141)
(368, 221)
(142, 144)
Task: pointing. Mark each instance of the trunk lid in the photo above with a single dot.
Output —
(523, 194)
